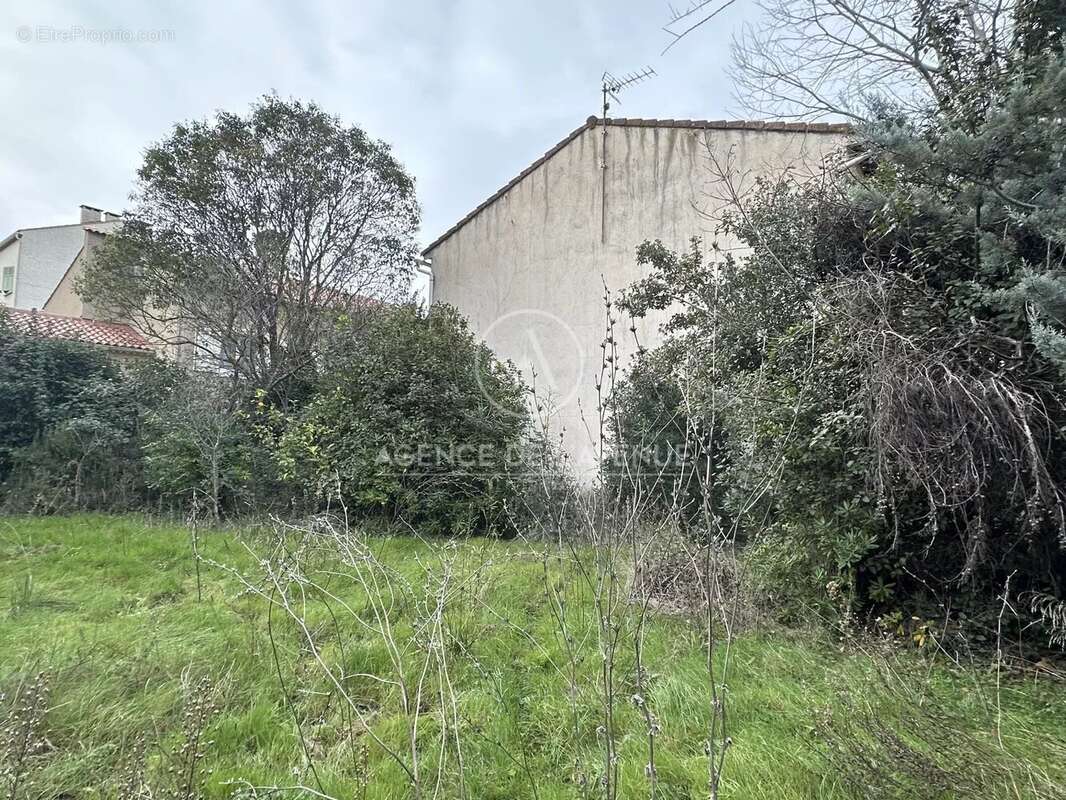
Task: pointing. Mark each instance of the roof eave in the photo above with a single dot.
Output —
(771, 126)
(508, 186)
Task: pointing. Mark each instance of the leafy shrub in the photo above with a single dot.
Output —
(660, 457)
(415, 417)
(90, 460)
(549, 500)
(43, 382)
(71, 423)
(800, 568)
(201, 451)
(879, 455)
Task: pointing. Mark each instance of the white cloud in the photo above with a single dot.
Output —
(467, 91)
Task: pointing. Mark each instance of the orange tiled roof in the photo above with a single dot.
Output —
(77, 329)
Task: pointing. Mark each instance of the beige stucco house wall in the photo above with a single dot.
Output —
(64, 299)
(528, 267)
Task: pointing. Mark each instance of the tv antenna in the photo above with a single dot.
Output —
(612, 87)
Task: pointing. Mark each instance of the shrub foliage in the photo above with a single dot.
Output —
(414, 416)
(885, 367)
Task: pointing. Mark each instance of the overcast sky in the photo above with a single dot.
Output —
(468, 92)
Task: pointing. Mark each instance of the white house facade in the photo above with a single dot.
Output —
(34, 261)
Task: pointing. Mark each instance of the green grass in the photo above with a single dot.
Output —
(107, 608)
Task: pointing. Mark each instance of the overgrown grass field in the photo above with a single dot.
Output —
(111, 611)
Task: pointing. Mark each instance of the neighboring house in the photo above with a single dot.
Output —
(528, 267)
(118, 340)
(34, 262)
(38, 268)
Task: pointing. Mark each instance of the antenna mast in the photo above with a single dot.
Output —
(611, 88)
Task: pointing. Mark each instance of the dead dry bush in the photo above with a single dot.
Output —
(950, 420)
(680, 576)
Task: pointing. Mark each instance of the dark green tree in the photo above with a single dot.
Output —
(248, 234)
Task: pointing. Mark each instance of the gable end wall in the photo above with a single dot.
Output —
(529, 269)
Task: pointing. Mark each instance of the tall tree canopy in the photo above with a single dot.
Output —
(250, 234)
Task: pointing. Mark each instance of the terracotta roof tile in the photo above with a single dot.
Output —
(77, 329)
(701, 124)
